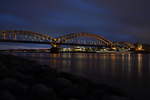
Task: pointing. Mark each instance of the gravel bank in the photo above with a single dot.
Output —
(22, 79)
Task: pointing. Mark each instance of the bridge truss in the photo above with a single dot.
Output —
(25, 36)
(69, 39)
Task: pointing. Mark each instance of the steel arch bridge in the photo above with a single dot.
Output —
(35, 37)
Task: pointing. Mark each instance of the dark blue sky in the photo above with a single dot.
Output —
(117, 20)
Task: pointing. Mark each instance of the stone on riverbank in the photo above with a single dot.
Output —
(23, 79)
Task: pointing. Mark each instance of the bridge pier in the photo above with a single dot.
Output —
(55, 50)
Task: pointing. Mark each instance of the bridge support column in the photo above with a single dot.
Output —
(55, 48)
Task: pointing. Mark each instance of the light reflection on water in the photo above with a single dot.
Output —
(114, 64)
(139, 61)
(129, 71)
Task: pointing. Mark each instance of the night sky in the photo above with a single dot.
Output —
(117, 20)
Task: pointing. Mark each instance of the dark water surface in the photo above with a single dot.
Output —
(128, 71)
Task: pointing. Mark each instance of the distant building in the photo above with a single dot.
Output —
(124, 45)
(139, 47)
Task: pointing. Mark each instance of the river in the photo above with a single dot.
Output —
(131, 72)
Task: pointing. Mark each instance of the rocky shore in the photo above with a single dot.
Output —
(22, 79)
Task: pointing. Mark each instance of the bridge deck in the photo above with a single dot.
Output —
(37, 42)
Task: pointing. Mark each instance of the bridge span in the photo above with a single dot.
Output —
(15, 36)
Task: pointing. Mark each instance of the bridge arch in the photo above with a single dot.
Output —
(70, 36)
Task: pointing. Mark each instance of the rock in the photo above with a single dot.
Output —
(73, 99)
(16, 87)
(6, 95)
(114, 97)
(97, 94)
(41, 92)
(73, 92)
(3, 71)
(61, 83)
(119, 98)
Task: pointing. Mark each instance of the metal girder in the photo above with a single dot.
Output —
(83, 34)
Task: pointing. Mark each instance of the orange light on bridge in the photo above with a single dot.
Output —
(114, 48)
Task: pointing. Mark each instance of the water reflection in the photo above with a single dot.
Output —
(129, 63)
(94, 64)
(139, 65)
